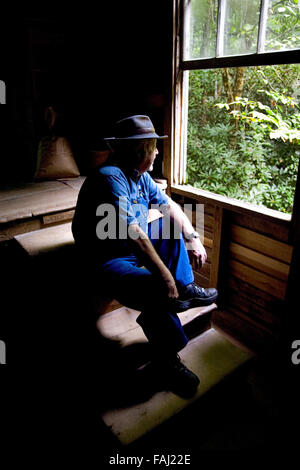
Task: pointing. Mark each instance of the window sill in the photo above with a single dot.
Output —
(229, 203)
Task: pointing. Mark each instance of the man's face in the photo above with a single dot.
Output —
(147, 163)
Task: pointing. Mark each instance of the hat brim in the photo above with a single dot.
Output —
(138, 137)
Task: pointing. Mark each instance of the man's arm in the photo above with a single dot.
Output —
(196, 249)
(148, 255)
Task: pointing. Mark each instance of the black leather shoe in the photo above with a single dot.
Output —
(177, 378)
(194, 296)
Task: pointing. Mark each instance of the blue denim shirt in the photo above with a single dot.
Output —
(109, 201)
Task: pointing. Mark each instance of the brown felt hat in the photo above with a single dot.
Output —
(135, 127)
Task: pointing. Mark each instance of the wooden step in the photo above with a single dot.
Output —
(121, 323)
(46, 240)
(51, 239)
(211, 356)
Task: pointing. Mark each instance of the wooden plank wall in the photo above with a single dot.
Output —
(203, 275)
(249, 259)
(259, 257)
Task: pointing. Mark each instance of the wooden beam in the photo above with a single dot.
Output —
(216, 248)
(246, 60)
(280, 230)
(231, 204)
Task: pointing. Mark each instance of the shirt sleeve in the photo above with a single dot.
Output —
(156, 196)
(119, 197)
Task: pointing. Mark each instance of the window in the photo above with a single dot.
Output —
(237, 99)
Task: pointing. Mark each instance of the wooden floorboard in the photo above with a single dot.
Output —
(211, 356)
(121, 324)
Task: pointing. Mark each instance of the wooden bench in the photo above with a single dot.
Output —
(33, 206)
(58, 241)
(37, 205)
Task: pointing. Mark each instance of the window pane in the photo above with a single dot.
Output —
(241, 26)
(202, 29)
(246, 148)
(283, 25)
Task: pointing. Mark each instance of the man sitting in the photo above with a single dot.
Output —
(144, 266)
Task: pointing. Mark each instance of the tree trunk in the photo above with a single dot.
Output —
(239, 83)
(203, 108)
(227, 85)
(232, 91)
(238, 92)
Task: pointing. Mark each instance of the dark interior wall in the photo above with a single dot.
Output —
(94, 64)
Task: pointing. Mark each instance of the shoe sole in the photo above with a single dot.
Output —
(182, 305)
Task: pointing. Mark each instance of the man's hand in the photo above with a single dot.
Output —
(170, 284)
(195, 248)
(151, 259)
(197, 253)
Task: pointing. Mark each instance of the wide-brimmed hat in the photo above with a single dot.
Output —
(135, 127)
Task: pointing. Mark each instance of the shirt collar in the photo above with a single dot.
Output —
(135, 175)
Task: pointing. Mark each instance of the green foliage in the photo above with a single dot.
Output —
(203, 28)
(283, 25)
(241, 26)
(261, 167)
(274, 120)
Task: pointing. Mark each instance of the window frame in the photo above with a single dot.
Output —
(176, 125)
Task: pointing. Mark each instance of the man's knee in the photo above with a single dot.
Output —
(164, 228)
(141, 292)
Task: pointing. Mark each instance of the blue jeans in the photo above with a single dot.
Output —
(137, 288)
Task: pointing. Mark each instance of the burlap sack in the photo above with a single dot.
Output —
(55, 159)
